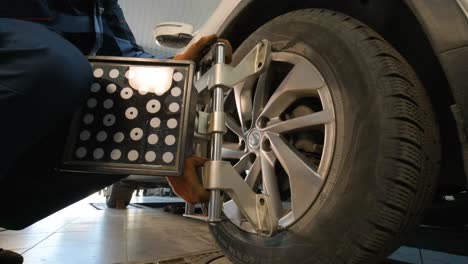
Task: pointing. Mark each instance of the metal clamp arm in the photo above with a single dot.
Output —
(226, 76)
(220, 175)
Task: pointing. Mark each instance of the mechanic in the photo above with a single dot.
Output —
(44, 72)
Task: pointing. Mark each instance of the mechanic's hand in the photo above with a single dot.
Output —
(198, 50)
(188, 185)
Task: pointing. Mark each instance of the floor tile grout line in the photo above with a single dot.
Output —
(69, 223)
(125, 238)
(70, 245)
(54, 232)
(38, 243)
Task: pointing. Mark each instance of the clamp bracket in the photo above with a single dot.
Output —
(227, 76)
(256, 208)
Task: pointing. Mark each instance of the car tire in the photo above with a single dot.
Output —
(386, 154)
(119, 195)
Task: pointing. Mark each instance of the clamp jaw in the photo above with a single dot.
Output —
(220, 175)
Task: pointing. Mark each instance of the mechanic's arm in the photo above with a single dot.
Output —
(188, 185)
(116, 30)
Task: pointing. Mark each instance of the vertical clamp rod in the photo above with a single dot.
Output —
(214, 209)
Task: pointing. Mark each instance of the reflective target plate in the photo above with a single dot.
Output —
(136, 119)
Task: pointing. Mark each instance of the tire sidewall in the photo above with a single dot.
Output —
(119, 191)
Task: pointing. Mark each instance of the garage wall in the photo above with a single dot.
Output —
(143, 15)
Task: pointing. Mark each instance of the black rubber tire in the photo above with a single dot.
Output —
(119, 192)
(386, 155)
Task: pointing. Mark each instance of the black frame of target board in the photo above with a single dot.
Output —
(186, 125)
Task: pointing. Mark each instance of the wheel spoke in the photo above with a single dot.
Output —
(270, 182)
(254, 172)
(232, 125)
(232, 151)
(244, 163)
(243, 98)
(303, 80)
(303, 178)
(303, 122)
(264, 82)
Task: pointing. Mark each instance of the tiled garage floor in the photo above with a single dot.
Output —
(82, 234)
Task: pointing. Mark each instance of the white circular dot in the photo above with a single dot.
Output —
(119, 137)
(98, 73)
(95, 87)
(153, 139)
(178, 76)
(172, 123)
(88, 119)
(101, 136)
(114, 73)
(155, 122)
(176, 91)
(174, 107)
(98, 153)
(132, 155)
(170, 140)
(153, 106)
(126, 93)
(150, 156)
(108, 104)
(91, 103)
(136, 133)
(111, 88)
(131, 113)
(81, 152)
(168, 157)
(115, 154)
(85, 135)
(130, 74)
(108, 120)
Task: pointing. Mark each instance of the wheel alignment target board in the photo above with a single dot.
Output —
(138, 118)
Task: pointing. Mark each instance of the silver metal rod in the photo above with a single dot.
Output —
(217, 137)
(214, 209)
(220, 52)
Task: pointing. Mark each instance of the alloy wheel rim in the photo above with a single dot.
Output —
(270, 124)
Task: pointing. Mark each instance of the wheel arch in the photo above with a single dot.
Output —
(406, 25)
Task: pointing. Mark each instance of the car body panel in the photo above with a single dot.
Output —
(446, 25)
(218, 18)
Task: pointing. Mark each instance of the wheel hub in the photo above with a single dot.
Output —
(253, 139)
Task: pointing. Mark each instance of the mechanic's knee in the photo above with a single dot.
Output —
(72, 76)
(57, 71)
(43, 65)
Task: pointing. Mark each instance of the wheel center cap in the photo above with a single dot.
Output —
(254, 139)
